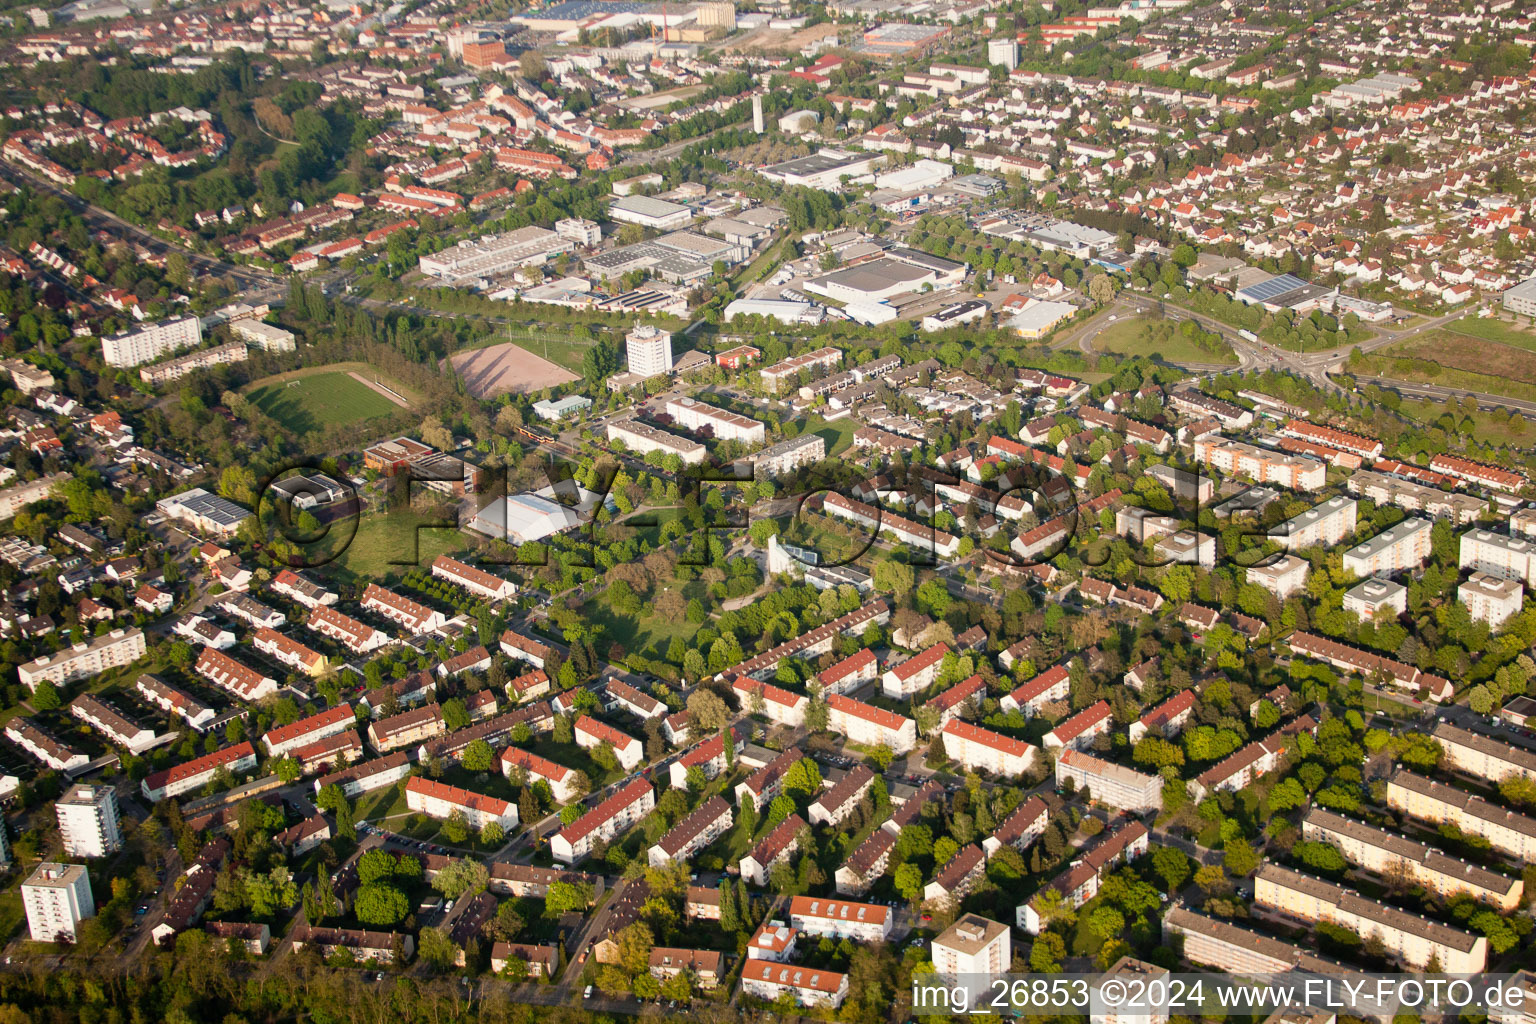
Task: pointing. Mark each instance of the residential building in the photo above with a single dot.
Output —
(198, 772)
(1507, 831)
(972, 951)
(869, 725)
(979, 749)
(147, 342)
(605, 822)
(821, 917)
(1405, 545)
(436, 800)
(591, 733)
(808, 986)
(285, 739)
(1491, 599)
(1413, 940)
(1389, 853)
(1326, 525)
(89, 821)
(57, 897)
(779, 844)
(408, 728)
(1110, 783)
(92, 657)
(561, 780)
(700, 827)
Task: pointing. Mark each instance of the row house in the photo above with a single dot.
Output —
(111, 723)
(414, 617)
(475, 580)
(244, 682)
(300, 589)
(287, 738)
(408, 728)
(289, 652)
(174, 701)
(1247, 764)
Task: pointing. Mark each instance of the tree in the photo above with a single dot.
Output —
(461, 877)
(635, 944)
(1240, 858)
(380, 904)
(45, 697)
(1172, 866)
(803, 777)
(1047, 953)
(1211, 879)
(288, 769)
(479, 757)
(492, 834)
(436, 949)
(893, 577)
(707, 711)
(909, 881)
(564, 897)
(456, 829)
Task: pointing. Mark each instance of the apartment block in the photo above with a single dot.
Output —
(1405, 545)
(1413, 940)
(89, 821)
(973, 950)
(57, 897)
(1510, 558)
(979, 749)
(110, 650)
(1507, 831)
(869, 725)
(1382, 852)
(1491, 599)
(698, 829)
(1326, 524)
(1481, 756)
(147, 342)
(605, 822)
(1110, 783)
(436, 800)
(1260, 464)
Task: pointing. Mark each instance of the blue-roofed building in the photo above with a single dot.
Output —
(1283, 291)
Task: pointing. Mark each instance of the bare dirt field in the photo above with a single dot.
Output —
(498, 369)
(773, 40)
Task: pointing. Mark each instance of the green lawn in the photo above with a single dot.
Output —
(643, 633)
(390, 542)
(1125, 337)
(1494, 329)
(306, 404)
(838, 434)
(380, 804)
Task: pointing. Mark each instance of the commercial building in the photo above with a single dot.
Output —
(1110, 783)
(477, 259)
(1390, 853)
(649, 212)
(1405, 545)
(110, 650)
(57, 897)
(825, 169)
(207, 513)
(148, 342)
(1413, 940)
(89, 821)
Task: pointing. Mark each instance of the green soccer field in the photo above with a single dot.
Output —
(323, 400)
